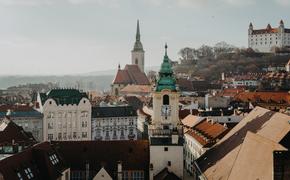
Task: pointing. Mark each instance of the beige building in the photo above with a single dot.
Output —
(66, 115)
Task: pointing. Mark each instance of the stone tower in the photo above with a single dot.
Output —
(138, 53)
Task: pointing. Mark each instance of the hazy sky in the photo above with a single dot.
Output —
(77, 36)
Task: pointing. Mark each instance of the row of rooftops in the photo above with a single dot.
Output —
(50, 160)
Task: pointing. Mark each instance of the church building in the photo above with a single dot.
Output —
(132, 74)
(165, 132)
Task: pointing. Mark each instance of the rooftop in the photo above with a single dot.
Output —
(227, 155)
(116, 111)
(63, 96)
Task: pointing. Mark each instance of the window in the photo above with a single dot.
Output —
(166, 100)
(19, 176)
(28, 173)
(50, 125)
(84, 134)
(50, 137)
(165, 148)
(74, 134)
(53, 158)
(169, 163)
(59, 136)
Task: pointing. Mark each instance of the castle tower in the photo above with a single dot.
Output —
(137, 54)
(165, 132)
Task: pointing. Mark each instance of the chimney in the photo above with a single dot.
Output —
(119, 170)
(174, 138)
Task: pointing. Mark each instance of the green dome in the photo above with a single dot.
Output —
(166, 79)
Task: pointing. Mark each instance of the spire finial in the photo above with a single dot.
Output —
(166, 49)
(138, 31)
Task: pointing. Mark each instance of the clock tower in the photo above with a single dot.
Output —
(164, 131)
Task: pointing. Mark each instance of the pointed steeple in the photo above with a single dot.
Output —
(138, 45)
(166, 78)
(138, 32)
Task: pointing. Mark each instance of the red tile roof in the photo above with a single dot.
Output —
(277, 97)
(206, 132)
(131, 74)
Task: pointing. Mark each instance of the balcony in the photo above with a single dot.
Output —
(160, 132)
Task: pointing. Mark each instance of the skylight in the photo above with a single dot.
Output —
(53, 158)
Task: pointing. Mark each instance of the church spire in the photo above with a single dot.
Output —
(138, 45)
(138, 32)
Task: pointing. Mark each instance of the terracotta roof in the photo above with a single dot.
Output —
(277, 97)
(134, 155)
(131, 74)
(136, 89)
(37, 159)
(231, 92)
(218, 162)
(191, 120)
(206, 132)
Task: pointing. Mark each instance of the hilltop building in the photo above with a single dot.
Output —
(165, 132)
(132, 74)
(267, 40)
(66, 115)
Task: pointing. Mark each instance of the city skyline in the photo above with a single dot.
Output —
(49, 37)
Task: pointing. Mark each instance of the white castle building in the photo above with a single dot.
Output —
(267, 40)
(66, 115)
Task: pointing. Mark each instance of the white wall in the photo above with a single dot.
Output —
(159, 158)
(67, 120)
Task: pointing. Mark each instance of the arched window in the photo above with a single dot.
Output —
(136, 61)
(166, 100)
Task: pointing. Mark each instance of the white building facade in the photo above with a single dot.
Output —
(66, 115)
(266, 40)
(114, 123)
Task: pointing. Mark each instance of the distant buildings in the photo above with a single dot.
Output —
(26, 117)
(114, 123)
(266, 40)
(66, 115)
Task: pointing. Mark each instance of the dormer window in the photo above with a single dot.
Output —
(19, 176)
(53, 158)
(28, 173)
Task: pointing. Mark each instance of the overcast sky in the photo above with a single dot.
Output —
(77, 36)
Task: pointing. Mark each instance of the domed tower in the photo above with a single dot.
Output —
(137, 54)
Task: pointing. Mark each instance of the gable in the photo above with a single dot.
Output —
(102, 175)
